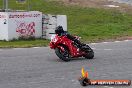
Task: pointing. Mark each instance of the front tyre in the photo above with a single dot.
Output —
(89, 55)
(63, 55)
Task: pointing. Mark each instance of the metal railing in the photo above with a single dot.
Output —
(13, 5)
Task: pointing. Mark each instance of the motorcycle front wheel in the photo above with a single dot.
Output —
(89, 53)
(63, 55)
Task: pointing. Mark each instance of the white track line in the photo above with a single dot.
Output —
(127, 40)
(36, 47)
(105, 42)
(111, 42)
(107, 49)
(93, 43)
(117, 41)
(17, 48)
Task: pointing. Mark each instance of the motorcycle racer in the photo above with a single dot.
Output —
(59, 30)
(67, 46)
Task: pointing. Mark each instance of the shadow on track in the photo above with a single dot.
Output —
(72, 59)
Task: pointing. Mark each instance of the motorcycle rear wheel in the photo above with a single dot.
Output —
(62, 55)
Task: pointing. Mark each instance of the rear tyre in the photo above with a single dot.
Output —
(63, 55)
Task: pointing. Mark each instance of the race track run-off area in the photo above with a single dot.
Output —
(39, 67)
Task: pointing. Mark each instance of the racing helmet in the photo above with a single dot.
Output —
(59, 30)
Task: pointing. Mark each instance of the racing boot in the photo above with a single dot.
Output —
(80, 45)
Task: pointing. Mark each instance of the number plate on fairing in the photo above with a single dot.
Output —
(53, 38)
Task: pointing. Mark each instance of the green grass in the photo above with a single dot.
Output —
(24, 43)
(92, 24)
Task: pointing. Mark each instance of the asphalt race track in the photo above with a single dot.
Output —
(41, 68)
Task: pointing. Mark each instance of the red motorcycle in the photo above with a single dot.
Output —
(65, 48)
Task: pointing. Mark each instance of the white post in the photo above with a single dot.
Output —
(28, 5)
(5, 5)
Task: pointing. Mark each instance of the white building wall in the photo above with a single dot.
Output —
(20, 24)
(53, 22)
(3, 26)
(24, 24)
(62, 20)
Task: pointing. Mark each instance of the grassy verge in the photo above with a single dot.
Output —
(92, 24)
(24, 43)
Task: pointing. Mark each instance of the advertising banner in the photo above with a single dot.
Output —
(22, 24)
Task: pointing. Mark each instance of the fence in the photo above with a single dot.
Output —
(16, 5)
